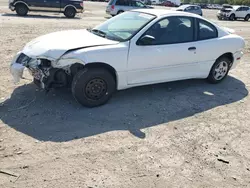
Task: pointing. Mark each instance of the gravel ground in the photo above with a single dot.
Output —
(178, 134)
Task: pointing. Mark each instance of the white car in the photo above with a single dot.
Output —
(135, 48)
(234, 12)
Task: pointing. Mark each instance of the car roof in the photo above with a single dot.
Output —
(162, 12)
(236, 6)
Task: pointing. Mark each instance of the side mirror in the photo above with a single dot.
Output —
(146, 40)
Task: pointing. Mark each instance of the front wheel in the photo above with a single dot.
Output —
(232, 17)
(219, 70)
(21, 9)
(93, 87)
(70, 12)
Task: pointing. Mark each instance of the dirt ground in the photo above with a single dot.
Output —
(178, 134)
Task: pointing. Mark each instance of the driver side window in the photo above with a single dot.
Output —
(172, 30)
(239, 9)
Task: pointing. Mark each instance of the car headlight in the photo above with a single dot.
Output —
(23, 59)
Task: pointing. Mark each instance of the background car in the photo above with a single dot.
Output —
(68, 7)
(146, 2)
(190, 8)
(119, 6)
(234, 12)
(168, 4)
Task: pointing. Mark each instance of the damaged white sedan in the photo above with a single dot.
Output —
(134, 48)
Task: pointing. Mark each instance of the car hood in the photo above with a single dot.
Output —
(229, 9)
(54, 45)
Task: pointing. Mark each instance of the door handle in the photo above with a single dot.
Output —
(191, 48)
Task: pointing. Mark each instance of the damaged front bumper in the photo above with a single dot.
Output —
(45, 76)
(223, 16)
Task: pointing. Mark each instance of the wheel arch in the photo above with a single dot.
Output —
(229, 55)
(69, 6)
(232, 14)
(103, 65)
(21, 2)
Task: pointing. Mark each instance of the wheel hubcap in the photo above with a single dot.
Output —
(220, 70)
(96, 89)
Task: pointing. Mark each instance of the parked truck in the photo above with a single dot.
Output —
(68, 7)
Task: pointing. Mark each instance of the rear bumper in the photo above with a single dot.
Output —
(110, 12)
(237, 58)
(80, 10)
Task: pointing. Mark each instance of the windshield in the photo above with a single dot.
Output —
(123, 26)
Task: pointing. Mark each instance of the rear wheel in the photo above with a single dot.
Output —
(93, 87)
(219, 70)
(70, 12)
(21, 9)
(247, 17)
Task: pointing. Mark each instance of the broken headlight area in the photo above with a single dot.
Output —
(23, 59)
(45, 76)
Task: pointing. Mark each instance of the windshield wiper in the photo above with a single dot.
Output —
(99, 33)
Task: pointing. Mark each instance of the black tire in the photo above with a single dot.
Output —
(219, 18)
(212, 75)
(232, 17)
(247, 17)
(120, 11)
(21, 9)
(70, 12)
(93, 87)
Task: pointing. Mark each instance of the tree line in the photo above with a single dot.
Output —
(231, 2)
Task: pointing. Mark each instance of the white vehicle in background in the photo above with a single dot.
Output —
(135, 48)
(119, 6)
(235, 12)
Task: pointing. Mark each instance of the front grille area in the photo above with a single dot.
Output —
(225, 10)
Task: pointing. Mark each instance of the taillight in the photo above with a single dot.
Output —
(113, 7)
(81, 4)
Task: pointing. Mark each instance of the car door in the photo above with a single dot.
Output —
(45, 5)
(208, 47)
(55, 5)
(240, 13)
(121, 5)
(245, 11)
(36, 4)
(170, 56)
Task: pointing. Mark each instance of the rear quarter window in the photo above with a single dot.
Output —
(206, 30)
